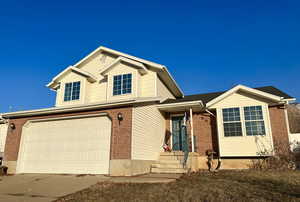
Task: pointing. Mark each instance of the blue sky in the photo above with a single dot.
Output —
(207, 45)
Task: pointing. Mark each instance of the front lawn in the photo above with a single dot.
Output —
(202, 186)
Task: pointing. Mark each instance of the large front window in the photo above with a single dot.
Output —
(254, 121)
(72, 91)
(122, 84)
(250, 124)
(232, 122)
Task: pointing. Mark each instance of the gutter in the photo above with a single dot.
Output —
(78, 108)
(181, 104)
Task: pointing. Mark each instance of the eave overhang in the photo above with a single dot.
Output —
(182, 106)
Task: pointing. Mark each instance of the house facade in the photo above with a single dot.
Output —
(114, 112)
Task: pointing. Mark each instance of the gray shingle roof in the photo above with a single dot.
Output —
(205, 98)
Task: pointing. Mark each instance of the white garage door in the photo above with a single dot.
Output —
(72, 146)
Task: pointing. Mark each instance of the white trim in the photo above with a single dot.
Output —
(192, 129)
(65, 118)
(141, 68)
(186, 104)
(79, 107)
(287, 123)
(54, 84)
(247, 89)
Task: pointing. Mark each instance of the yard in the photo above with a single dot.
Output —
(201, 186)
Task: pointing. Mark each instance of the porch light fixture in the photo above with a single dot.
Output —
(120, 116)
(12, 126)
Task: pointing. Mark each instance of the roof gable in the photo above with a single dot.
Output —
(141, 68)
(55, 81)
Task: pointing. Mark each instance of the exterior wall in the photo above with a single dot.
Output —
(102, 89)
(148, 132)
(243, 145)
(147, 83)
(205, 131)
(162, 90)
(97, 62)
(71, 77)
(278, 125)
(3, 133)
(120, 138)
(122, 69)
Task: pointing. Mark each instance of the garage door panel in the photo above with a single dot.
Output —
(66, 146)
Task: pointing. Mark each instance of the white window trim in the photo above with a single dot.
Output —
(122, 94)
(243, 121)
(64, 91)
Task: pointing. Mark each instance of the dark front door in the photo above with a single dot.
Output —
(179, 137)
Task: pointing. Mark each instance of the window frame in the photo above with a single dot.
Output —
(243, 121)
(124, 87)
(72, 97)
(232, 121)
(255, 120)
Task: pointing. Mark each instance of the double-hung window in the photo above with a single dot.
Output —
(250, 124)
(122, 84)
(72, 91)
(232, 122)
(254, 121)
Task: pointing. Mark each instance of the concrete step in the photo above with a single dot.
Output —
(170, 161)
(168, 170)
(177, 157)
(172, 153)
(167, 165)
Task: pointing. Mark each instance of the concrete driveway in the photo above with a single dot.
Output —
(43, 187)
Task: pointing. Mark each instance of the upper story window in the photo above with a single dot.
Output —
(232, 122)
(122, 84)
(251, 124)
(72, 91)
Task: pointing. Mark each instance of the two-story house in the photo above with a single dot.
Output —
(114, 112)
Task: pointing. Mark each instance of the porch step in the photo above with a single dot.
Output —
(171, 156)
(168, 170)
(167, 165)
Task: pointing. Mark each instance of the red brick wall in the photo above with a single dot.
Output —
(205, 130)
(278, 125)
(120, 139)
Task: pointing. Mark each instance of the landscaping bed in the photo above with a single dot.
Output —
(245, 185)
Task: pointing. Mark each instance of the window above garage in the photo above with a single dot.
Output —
(72, 91)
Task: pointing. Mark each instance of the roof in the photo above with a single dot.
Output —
(54, 82)
(207, 97)
(79, 108)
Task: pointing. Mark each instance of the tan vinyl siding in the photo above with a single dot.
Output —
(148, 132)
(243, 145)
(71, 77)
(162, 90)
(3, 133)
(95, 64)
(147, 84)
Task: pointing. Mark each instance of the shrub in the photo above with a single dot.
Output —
(283, 158)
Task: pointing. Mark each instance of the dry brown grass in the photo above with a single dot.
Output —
(246, 185)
